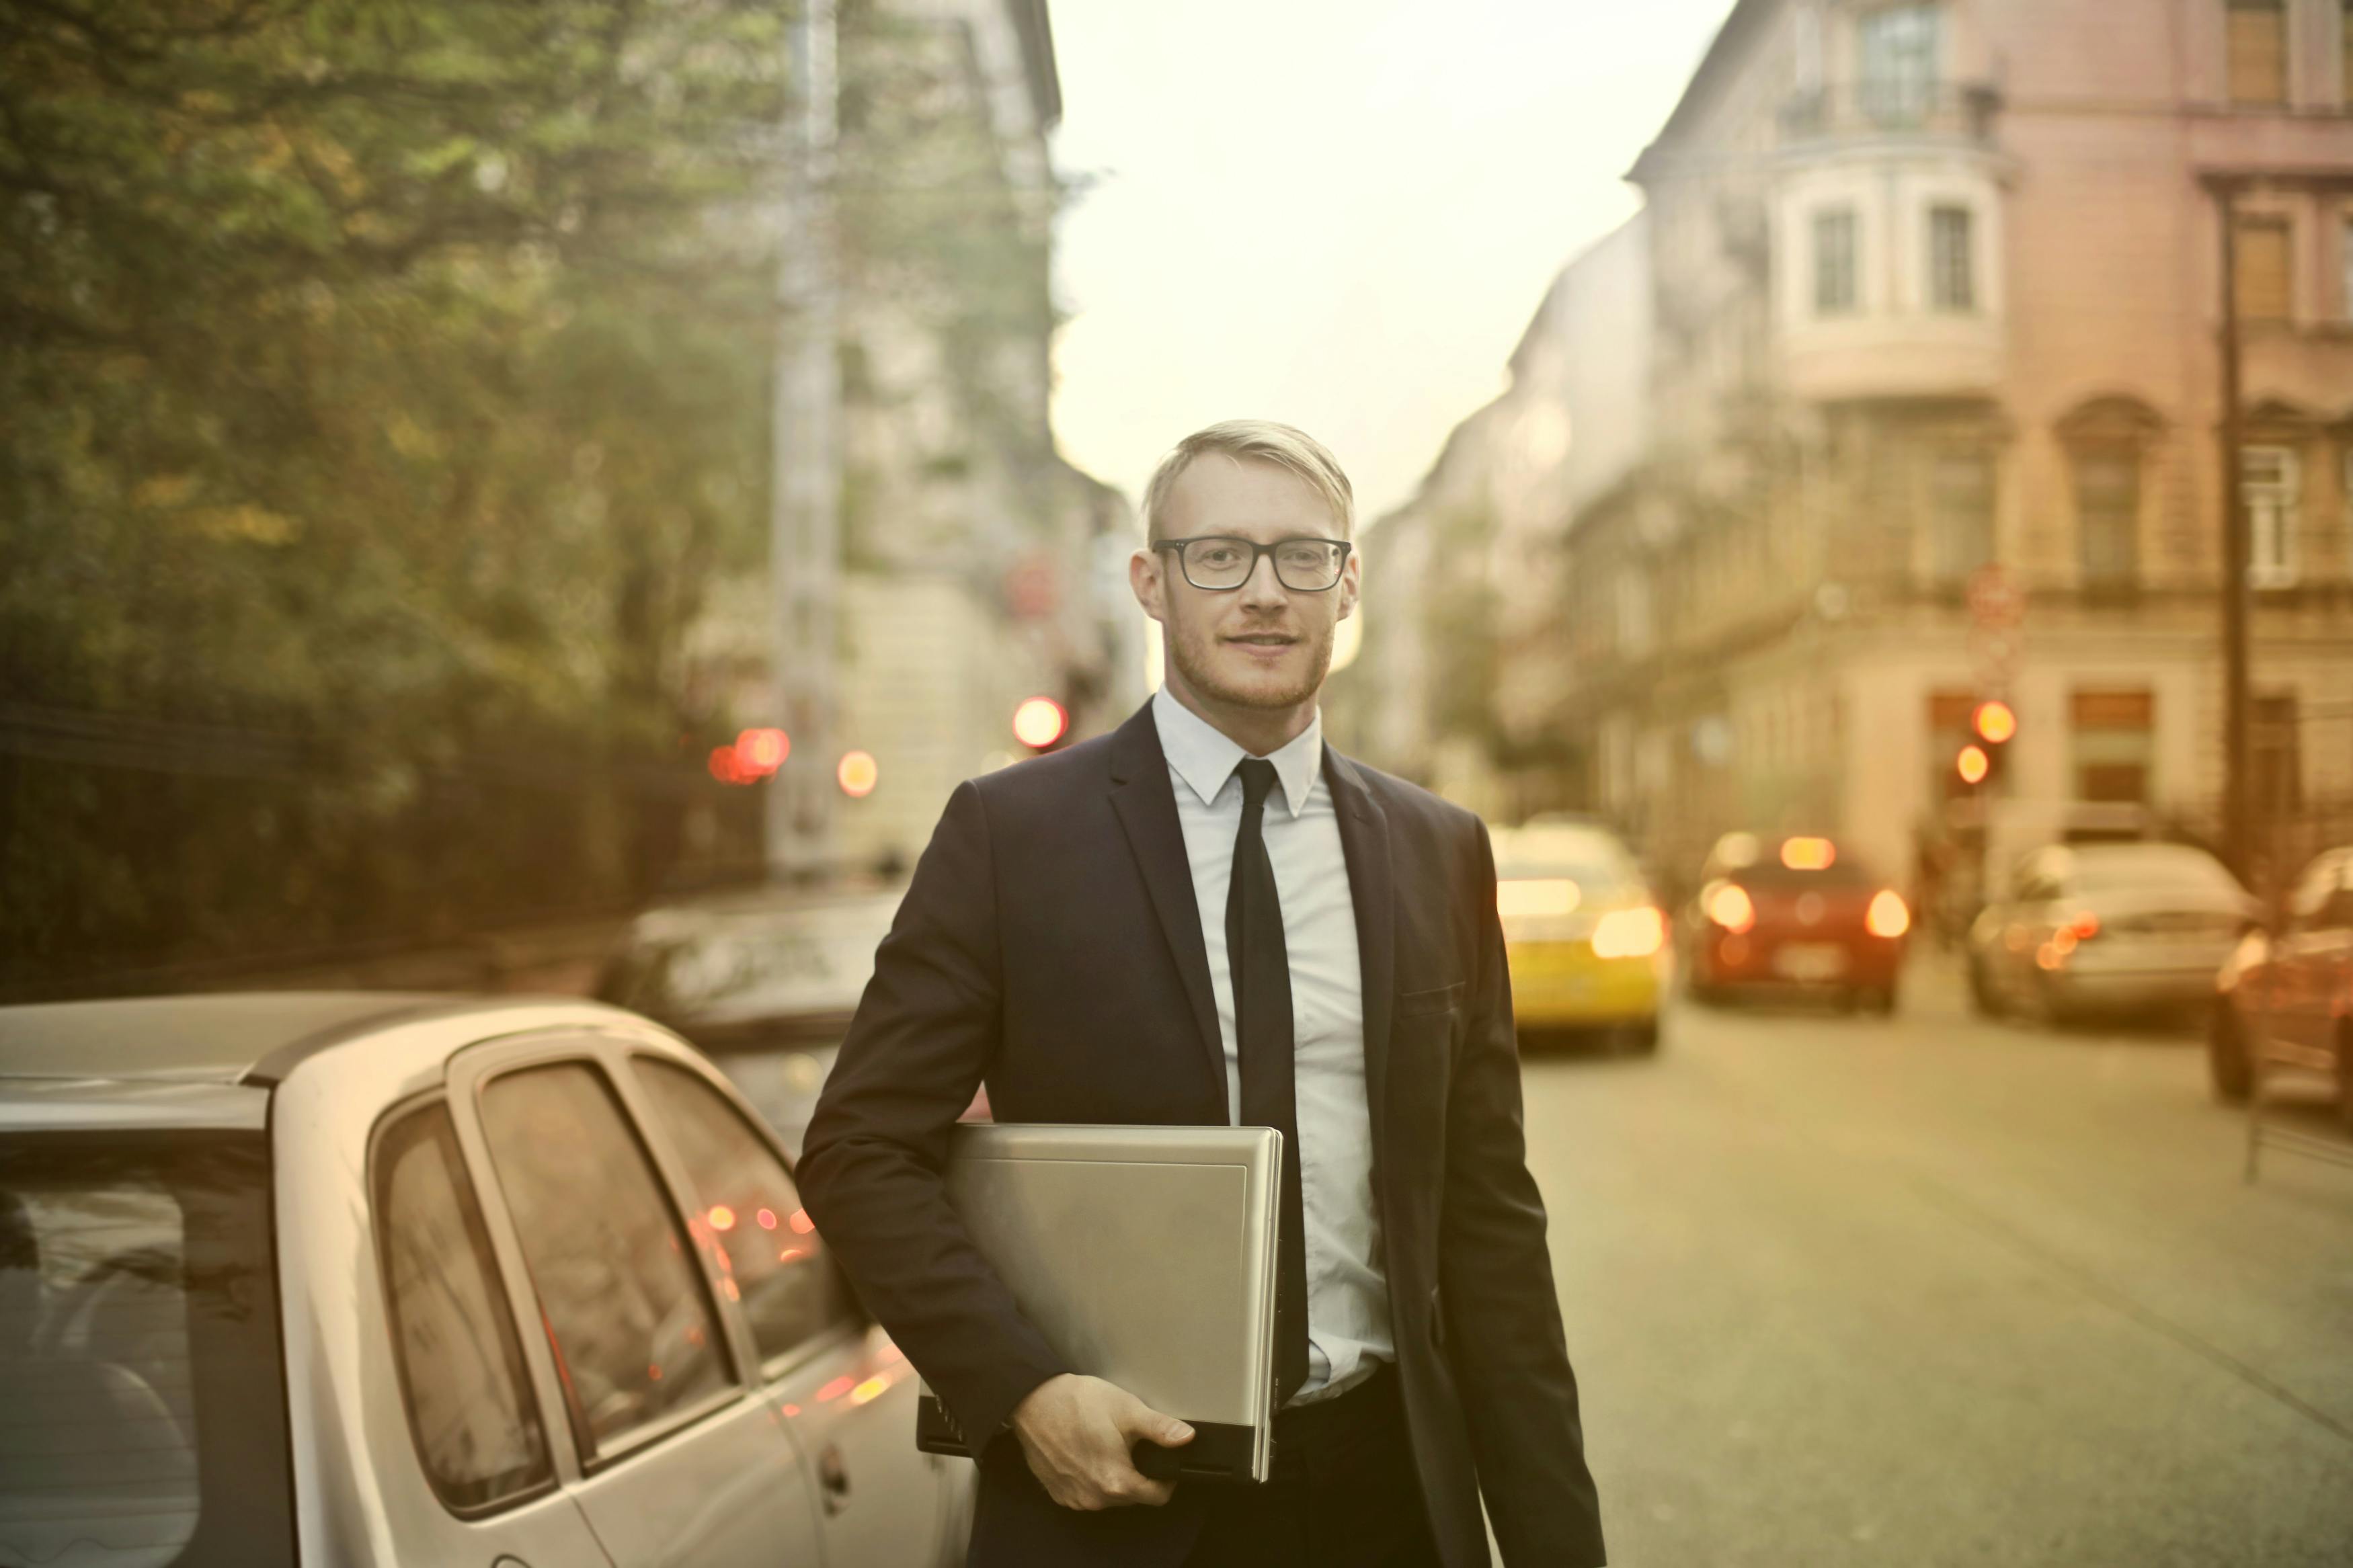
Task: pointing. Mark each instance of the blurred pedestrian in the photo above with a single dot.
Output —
(1210, 916)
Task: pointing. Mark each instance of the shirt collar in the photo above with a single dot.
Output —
(1205, 757)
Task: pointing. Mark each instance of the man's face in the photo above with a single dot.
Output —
(1262, 645)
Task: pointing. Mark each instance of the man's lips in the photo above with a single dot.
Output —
(1263, 639)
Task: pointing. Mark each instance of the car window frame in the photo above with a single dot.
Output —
(773, 1369)
(472, 1073)
(379, 1235)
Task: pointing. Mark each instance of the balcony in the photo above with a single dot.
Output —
(1891, 108)
(1888, 204)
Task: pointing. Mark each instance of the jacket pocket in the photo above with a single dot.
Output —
(1436, 999)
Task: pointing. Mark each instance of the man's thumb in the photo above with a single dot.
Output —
(1173, 1432)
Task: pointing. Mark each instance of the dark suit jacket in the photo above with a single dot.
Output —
(1051, 946)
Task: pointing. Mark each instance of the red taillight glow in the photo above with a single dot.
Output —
(1728, 906)
(1630, 933)
(2083, 927)
(1887, 917)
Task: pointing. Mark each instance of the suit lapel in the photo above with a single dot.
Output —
(1365, 843)
(1146, 804)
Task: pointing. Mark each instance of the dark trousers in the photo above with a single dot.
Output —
(1343, 1493)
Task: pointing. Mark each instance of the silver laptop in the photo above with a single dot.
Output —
(1145, 1255)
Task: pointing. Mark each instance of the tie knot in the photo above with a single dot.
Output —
(1258, 779)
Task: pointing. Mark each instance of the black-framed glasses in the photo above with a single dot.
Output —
(1220, 563)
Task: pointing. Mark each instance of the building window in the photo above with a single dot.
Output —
(2114, 743)
(1960, 514)
(2345, 231)
(2258, 46)
(1952, 259)
(2270, 479)
(1834, 262)
(2274, 760)
(2261, 263)
(2344, 54)
(1898, 47)
(2108, 517)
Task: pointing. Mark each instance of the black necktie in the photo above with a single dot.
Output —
(1261, 977)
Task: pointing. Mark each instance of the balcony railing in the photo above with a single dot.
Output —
(1893, 106)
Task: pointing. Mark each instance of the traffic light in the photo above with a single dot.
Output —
(1979, 762)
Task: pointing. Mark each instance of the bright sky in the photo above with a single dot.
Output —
(1337, 213)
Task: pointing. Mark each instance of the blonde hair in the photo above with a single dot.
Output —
(1267, 442)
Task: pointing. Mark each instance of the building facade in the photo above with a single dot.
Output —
(1935, 414)
(977, 568)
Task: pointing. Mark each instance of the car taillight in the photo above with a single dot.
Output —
(1630, 933)
(2083, 927)
(1728, 905)
(1887, 917)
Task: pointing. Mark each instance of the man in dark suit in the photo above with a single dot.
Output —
(1208, 917)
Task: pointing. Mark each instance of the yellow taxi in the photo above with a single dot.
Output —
(1586, 939)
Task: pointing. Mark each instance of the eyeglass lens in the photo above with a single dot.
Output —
(1304, 565)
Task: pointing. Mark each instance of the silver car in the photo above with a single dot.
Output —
(2108, 928)
(369, 1280)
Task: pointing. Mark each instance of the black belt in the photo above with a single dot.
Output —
(1306, 1425)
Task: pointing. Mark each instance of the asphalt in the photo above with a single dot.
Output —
(1931, 1291)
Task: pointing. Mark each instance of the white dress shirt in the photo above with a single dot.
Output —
(1348, 1290)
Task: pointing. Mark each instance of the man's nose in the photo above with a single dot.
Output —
(1262, 586)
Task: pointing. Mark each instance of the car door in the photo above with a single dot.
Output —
(2019, 933)
(844, 1390)
(680, 1457)
(2312, 956)
(480, 1433)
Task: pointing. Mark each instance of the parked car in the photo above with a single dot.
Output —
(2108, 929)
(1584, 937)
(2286, 1002)
(372, 1279)
(762, 981)
(1799, 914)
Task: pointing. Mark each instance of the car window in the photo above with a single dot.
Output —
(2308, 904)
(776, 1265)
(470, 1410)
(2153, 867)
(141, 1394)
(624, 1303)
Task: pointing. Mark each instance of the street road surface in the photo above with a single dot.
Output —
(1935, 1291)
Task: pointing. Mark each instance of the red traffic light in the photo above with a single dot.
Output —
(763, 751)
(1995, 723)
(1039, 722)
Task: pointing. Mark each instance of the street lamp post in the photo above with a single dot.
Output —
(805, 501)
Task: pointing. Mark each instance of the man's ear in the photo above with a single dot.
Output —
(1352, 584)
(1145, 579)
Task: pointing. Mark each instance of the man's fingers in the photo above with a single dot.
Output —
(1137, 1419)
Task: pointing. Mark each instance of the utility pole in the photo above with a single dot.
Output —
(805, 495)
(2238, 827)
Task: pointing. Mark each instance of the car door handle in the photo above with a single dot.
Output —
(833, 1475)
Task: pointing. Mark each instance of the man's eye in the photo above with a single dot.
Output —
(1217, 555)
(1316, 555)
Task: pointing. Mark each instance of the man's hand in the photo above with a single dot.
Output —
(1077, 1434)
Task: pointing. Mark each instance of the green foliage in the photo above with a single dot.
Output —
(392, 375)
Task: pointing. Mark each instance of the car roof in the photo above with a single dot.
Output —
(237, 1038)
